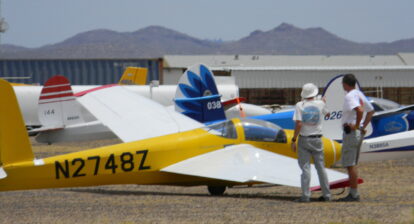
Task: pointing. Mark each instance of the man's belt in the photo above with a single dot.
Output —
(312, 136)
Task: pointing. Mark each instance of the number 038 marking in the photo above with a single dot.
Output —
(214, 105)
(334, 115)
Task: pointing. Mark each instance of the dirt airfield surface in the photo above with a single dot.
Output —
(387, 197)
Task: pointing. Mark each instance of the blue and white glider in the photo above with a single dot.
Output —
(198, 98)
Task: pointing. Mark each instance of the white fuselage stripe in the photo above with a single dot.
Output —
(54, 86)
(57, 99)
(55, 93)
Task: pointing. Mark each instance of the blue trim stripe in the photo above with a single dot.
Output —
(197, 98)
(335, 78)
(331, 81)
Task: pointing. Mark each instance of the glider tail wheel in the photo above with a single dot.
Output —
(216, 190)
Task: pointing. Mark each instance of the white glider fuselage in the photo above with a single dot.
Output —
(28, 97)
(393, 146)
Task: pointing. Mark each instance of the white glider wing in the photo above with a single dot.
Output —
(393, 146)
(245, 163)
(132, 117)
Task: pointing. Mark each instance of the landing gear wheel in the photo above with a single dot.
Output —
(216, 190)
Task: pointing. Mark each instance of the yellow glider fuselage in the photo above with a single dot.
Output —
(137, 162)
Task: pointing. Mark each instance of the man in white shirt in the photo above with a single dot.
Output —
(354, 125)
(308, 118)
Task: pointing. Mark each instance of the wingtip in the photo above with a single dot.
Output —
(337, 184)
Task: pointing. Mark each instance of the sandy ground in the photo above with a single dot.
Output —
(387, 197)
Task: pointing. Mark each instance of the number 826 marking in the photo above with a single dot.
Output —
(334, 115)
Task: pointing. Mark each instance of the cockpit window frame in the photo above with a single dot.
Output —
(225, 129)
(265, 126)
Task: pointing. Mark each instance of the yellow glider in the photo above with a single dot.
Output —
(224, 154)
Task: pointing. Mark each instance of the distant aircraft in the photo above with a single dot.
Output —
(389, 136)
(384, 122)
(17, 84)
(194, 98)
(63, 118)
(134, 76)
(28, 96)
(165, 147)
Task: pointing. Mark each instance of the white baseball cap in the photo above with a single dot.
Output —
(309, 90)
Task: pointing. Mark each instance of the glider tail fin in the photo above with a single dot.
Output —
(134, 76)
(334, 95)
(197, 95)
(57, 104)
(14, 142)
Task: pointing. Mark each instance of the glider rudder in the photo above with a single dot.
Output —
(335, 95)
(14, 142)
(57, 104)
(197, 95)
(134, 76)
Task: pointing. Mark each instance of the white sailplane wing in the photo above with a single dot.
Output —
(394, 146)
(132, 117)
(245, 163)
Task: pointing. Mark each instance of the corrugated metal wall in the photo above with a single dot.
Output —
(290, 96)
(280, 86)
(78, 71)
(295, 78)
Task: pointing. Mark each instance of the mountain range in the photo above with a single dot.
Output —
(156, 41)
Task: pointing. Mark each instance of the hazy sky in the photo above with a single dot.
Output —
(34, 23)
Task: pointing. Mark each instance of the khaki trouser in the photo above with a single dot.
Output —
(307, 148)
(351, 145)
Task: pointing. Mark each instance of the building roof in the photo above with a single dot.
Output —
(407, 58)
(184, 61)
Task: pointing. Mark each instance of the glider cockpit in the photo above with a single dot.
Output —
(262, 131)
(254, 130)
